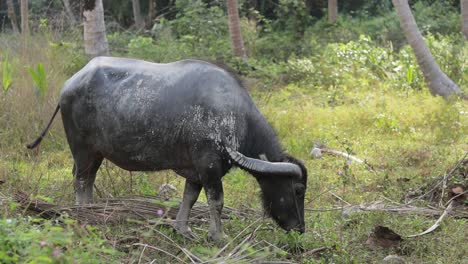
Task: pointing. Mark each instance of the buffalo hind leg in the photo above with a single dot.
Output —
(191, 193)
(84, 172)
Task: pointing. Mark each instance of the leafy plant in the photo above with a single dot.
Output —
(33, 240)
(39, 78)
(7, 74)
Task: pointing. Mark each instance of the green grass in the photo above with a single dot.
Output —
(405, 134)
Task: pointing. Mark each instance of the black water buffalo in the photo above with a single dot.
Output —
(189, 116)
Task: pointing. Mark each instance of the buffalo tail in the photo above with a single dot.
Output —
(38, 140)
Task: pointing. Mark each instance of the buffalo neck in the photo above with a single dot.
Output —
(261, 141)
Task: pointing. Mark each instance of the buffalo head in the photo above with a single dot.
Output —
(283, 187)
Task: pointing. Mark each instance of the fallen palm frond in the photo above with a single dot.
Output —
(243, 248)
(117, 210)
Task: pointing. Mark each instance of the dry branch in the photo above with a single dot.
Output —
(319, 148)
(437, 223)
(379, 206)
(404, 209)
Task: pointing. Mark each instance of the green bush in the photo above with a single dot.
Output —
(360, 64)
(33, 240)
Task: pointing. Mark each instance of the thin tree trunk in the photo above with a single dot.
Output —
(464, 13)
(68, 10)
(332, 11)
(95, 39)
(24, 18)
(437, 80)
(139, 23)
(12, 16)
(234, 29)
(151, 12)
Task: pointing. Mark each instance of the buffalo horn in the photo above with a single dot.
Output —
(264, 167)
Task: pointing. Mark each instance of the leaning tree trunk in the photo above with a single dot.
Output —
(95, 39)
(437, 80)
(139, 23)
(24, 18)
(234, 29)
(12, 16)
(464, 13)
(68, 10)
(332, 11)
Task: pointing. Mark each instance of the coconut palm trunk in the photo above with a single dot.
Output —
(139, 23)
(234, 29)
(464, 13)
(332, 11)
(12, 16)
(436, 79)
(68, 10)
(95, 39)
(151, 12)
(24, 17)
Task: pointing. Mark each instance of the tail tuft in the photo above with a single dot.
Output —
(35, 143)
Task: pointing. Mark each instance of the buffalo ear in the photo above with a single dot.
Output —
(299, 188)
(290, 159)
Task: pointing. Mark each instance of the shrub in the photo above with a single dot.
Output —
(360, 64)
(40, 241)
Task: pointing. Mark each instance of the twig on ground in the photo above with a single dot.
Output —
(238, 235)
(443, 181)
(161, 250)
(141, 254)
(319, 148)
(339, 198)
(98, 191)
(315, 251)
(318, 196)
(390, 200)
(191, 256)
(379, 206)
(324, 209)
(437, 223)
(455, 197)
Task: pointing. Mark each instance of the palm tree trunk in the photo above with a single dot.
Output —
(68, 10)
(151, 12)
(464, 13)
(139, 23)
(234, 29)
(95, 39)
(24, 18)
(437, 80)
(12, 16)
(332, 11)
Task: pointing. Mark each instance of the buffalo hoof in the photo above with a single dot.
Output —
(218, 237)
(187, 234)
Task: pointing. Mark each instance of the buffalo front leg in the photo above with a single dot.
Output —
(209, 167)
(215, 196)
(191, 193)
